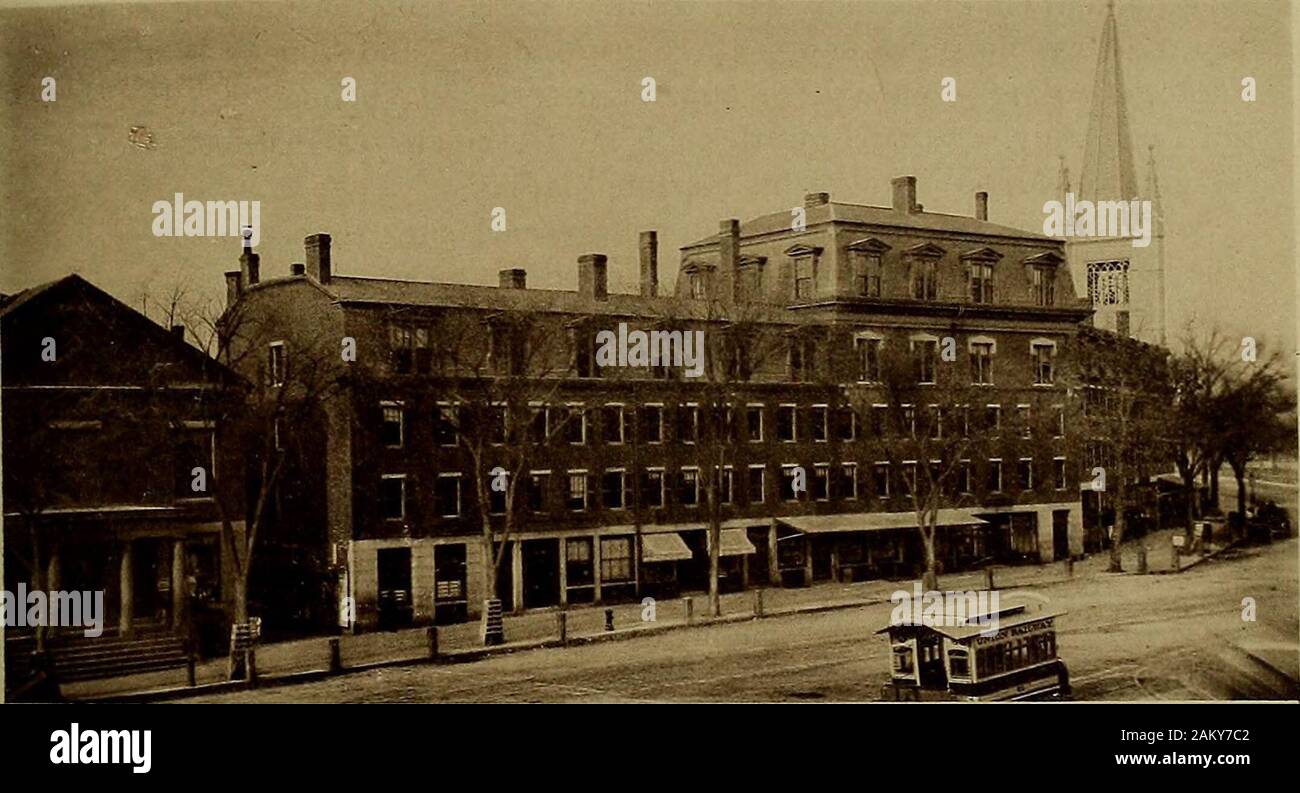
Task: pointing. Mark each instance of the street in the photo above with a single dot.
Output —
(1126, 637)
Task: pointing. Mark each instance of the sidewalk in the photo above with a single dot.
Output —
(305, 658)
(1160, 558)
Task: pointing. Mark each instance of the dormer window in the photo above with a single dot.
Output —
(923, 268)
(506, 350)
(583, 343)
(805, 270)
(923, 280)
(1044, 286)
(751, 276)
(805, 278)
(803, 358)
(1042, 278)
(697, 287)
(409, 345)
(866, 256)
(695, 276)
(979, 273)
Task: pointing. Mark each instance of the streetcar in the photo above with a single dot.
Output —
(970, 661)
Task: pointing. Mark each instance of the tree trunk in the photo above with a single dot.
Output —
(236, 668)
(489, 569)
(1117, 538)
(1214, 469)
(930, 579)
(1239, 473)
(241, 597)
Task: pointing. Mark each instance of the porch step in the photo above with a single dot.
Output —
(110, 655)
(87, 659)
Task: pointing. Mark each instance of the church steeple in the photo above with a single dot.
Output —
(1108, 172)
(1062, 178)
(1153, 186)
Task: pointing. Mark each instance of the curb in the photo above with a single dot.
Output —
(1199, 560)
(483, 653)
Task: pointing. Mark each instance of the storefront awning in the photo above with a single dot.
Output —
(735, 543)
(875, 521)
(664, 547)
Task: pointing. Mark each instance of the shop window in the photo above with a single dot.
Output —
(615, 559)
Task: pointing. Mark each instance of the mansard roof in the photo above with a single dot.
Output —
(880, 217)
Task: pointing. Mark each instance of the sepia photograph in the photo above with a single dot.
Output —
(776, 352)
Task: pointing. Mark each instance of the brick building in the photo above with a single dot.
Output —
(613, 504)
(105, 421)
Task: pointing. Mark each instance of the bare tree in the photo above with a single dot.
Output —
(1198, 378)
(262, 424)
(1124, 391)
(501, 376)
(932, 427)
(737, 344)
(1254, 414)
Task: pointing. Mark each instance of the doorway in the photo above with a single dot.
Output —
(1060, 533)
(396, 609)
(759, 561)
(541, 573)
(151, 586)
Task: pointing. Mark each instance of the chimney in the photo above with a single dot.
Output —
(905, 194)
(516, 278)
(729, 256)
(593, 280)
(250, 266)
(649, 263)
(233, 289)
(318, 256)
(981, 206)
(811, 200)
(179, 332)
(297, 269)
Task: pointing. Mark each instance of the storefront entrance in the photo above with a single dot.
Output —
(394, 578)
(541, 573)
(1060, 533)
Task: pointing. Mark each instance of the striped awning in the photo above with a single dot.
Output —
(664, 547)
(735, 542)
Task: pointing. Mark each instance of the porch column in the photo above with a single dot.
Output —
(126, 591)
(807, 560)
(180, 600)
(773, 563)
(517, 574)
(595, 568)
(564, 573)
(835, 559)
(54, 570)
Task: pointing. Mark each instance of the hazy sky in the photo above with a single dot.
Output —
(536, 108)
